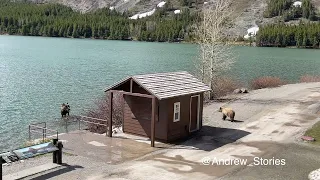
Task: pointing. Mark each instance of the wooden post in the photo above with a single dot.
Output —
(122, 106)
(131, 85)
(110, 115)
(153, 121)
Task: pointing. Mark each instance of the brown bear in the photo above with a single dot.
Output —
(227, 112)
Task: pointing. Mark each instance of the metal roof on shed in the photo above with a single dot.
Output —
(167, 85)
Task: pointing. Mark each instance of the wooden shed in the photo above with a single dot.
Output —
(162, 106)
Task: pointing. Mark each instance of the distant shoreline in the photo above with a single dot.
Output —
(177, 42)
(133, 40)
(234, 43)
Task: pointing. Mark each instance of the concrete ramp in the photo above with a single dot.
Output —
(31, 171)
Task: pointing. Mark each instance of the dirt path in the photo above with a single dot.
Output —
(278, 113)
(269, 123)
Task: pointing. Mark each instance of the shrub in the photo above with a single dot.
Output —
(309, 78)
(240, 39)
(224, 86)
(266, 82)
(101, 111)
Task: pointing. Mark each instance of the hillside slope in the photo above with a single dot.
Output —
(248, 12)
(90, 5)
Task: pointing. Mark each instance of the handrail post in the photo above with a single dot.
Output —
(45, 130)
(66, 125)
(29, 132)
(42, 135)
(79, 124)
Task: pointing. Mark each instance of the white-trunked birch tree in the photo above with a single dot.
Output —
(215, 55)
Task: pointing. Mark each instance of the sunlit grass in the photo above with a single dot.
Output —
(315, 133)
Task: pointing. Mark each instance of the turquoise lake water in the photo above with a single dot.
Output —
(38, 74)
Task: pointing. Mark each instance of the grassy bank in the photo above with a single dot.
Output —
(315, 133)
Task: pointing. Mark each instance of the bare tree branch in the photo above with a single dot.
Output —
(215, 56)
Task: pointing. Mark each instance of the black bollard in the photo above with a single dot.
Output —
(54, 153)
(1, 166)
(59, 152)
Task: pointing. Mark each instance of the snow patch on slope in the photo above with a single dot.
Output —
(161, 4)
(142, 15)
(177, 11)
(251, 32)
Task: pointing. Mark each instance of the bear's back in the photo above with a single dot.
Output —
(227, 110)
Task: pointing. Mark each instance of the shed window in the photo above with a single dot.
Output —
(176, 115)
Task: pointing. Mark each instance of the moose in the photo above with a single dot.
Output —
(65, 109)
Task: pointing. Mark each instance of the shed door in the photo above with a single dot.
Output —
(194, 113)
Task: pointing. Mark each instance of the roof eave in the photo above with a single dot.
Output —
(183, 95)
(117, 84)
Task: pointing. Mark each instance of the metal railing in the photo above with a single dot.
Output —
(43, 130)
(87, 119)
(41, 127)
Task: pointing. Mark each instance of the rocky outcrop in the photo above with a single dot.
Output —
(242, 90)
(91, 5)
(237, 91)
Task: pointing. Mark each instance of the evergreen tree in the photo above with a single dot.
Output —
(61, 21)
(302, 35)
(75, 31)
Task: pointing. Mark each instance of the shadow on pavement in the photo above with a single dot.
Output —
(64, 169)
(210, 138)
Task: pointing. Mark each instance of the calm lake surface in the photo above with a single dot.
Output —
(38, 74)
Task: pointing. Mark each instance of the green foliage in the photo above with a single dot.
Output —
(281, 35)
(315, 133)
(239, 39)
(308, 10)
(277, 7)
(55, 20)
(286, 9)
(186, 3)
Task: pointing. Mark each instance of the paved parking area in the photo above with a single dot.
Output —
(269, 125)
(113, 150)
